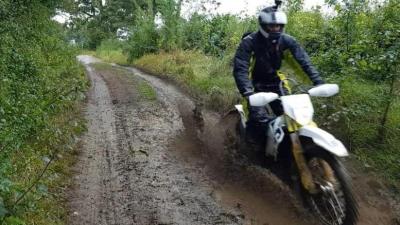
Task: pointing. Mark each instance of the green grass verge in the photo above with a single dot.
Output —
(207, 79)
(87, 52)
(111, 51)
(114, 56)
(46, 203)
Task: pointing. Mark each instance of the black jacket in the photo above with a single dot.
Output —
(268, 59)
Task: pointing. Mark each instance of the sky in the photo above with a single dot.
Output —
(252, 6)
(248, 7)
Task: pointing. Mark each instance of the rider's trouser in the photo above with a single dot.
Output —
(259, 117)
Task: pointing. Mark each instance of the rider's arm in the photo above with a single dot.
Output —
(241, 65)
(303, 59)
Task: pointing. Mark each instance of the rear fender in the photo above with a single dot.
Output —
(325, 140)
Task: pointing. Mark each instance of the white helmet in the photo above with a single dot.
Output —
(271, 16)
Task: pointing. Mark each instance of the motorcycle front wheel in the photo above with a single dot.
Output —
(334, 203)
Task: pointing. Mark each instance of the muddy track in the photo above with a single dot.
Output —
(164, 161)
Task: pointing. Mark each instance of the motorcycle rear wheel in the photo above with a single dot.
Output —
(334, 204)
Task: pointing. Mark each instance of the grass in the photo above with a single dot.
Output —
(102, 66)
(146, 91)
(114, 56)
(111, 51)
(207, 79)
(46, 204)
(87, 52)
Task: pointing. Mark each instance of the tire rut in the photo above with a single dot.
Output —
(125, 174)
(95, 164)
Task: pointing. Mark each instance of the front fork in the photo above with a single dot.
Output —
(305, 174)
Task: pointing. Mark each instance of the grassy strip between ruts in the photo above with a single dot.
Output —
(209, 80)
(146, 92)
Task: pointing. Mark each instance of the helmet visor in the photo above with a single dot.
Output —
(272, 27)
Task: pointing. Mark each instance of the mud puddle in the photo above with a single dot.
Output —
(249, 192)
(169, 162)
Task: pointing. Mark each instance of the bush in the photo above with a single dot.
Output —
(144, 37)
(111, 50)
(39, 79)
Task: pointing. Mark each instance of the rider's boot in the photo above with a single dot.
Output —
(255, 136)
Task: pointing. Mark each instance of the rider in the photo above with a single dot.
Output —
(260, 54)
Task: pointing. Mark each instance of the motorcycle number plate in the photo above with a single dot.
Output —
(299, 108)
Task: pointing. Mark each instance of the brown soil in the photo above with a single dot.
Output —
(169, 162)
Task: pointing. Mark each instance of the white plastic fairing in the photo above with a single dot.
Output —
(240, 110)
(299, 108)
(324, 90)
(262, 98)
(325, 140)
(275, 136)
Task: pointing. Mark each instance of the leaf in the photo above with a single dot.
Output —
(46, 159)
(42, 189)
(5, 185)
(14, 221)
(3, 210)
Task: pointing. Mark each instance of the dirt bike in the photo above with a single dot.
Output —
(315, 154)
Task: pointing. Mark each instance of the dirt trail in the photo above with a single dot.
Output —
(163, 162)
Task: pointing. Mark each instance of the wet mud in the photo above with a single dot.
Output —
(168, 161)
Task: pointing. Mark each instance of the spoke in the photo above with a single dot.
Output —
(330, 205)
(337, 217)
(332, 217)
(321, 216)
(336, 207)
(339, 203)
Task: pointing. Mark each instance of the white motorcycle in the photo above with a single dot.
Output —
(314, 153)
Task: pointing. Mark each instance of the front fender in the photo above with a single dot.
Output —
(324, 140)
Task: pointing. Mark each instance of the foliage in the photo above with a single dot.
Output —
(39, 79)
(111, 50)
(144, 38)
(216, 35)
(97, 20)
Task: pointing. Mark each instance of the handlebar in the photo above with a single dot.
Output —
(287, 90)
